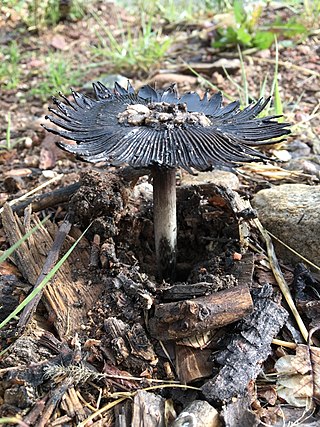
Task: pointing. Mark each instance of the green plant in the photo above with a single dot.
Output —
(7, 145)
(136, 50)
(276, 108)
(10, 66)
(247, 33)
(244, 32)
(38, 14)
(175, 11)
(57, 75)
(243, 88)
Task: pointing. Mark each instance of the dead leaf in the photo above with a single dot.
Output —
(295, 380)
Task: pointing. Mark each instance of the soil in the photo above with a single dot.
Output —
(96, 338)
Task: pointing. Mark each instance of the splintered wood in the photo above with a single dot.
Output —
(63, 292)
(148, 410)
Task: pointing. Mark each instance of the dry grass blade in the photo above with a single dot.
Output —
(101, 411)
(130, 395)
(13, 420)
(294, 252)
(280, 279)
(287, 64)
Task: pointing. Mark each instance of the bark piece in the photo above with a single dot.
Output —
(247, 350)
(185, 318)
(192, 363)
(148, 410)
(199, 413)
(67, 300)
(128, 344)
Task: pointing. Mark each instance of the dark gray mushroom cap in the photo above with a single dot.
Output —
(156, 127)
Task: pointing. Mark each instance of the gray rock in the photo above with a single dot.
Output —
(308, 165)
(292, 213)
(298, 149)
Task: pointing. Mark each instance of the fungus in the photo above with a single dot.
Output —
(159, 130)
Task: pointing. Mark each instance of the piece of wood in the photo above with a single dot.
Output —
(148, 410)
(66, 299)
(241, 361)
(47, 200)
(192, 363)
(183, 319)
(51, 260)
(200, 414)
(129, 344)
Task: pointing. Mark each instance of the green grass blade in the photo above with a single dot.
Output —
(39, 288)
(275, 92)
(207, 82)
(9, 251)
(244, 78)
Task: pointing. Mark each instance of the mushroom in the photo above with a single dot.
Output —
(159, 130)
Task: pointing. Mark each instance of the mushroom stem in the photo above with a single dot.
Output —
(165, 220)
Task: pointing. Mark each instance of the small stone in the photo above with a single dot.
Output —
(291, 213)
(305, 165)
(298, 149)
(28, 142)
(49, 173)
(282, 155)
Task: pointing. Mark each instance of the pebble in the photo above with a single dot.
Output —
(291, 212)
(305, 165)
(298, 148)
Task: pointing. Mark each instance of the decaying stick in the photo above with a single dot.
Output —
(62, 195)
(47, 200)
(183, 319)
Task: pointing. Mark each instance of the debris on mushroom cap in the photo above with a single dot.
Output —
(161, 113)
(157, 127)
